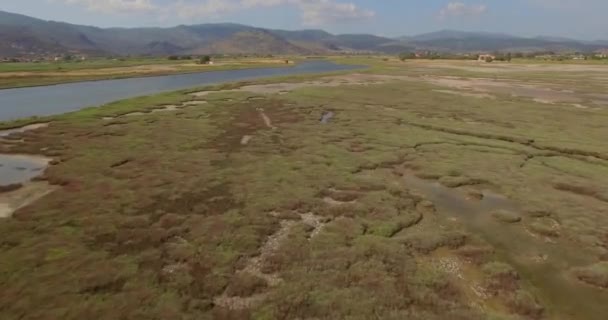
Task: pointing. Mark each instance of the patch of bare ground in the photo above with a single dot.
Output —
(255, 265)
(315, 222)
(266, 119)
(159, 109)
(195, 103)
(356, 79)
(469, 278)
(29, 127)
(467, 94)
(247, 287)
(248, 119)
(29, 192)
(546, 227)
(484, 87)
(246, 138)
(333, 202)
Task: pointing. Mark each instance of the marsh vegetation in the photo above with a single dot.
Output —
(237, 202)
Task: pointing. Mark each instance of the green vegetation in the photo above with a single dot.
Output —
(248, 207)
(94, 63)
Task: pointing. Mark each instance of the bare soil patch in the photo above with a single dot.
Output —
(334, 81)
(27, 194)
(538, 93)
(29, 127)
(467, 94)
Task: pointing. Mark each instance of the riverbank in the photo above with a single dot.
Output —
(21, 75)
(399, 187)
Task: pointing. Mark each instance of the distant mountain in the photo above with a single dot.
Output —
(304, 35)
(601, 43)
(457, 35)
(22, 35)
(251, 42)
(460, 41)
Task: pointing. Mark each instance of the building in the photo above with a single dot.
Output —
(486, 57)
(602, 54)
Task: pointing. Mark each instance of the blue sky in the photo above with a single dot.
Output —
(584, 19)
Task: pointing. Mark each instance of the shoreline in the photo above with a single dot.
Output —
(146, 75)
(20, 122)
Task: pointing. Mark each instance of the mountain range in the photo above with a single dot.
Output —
(23, 35)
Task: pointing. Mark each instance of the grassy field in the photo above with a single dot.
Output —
(13, 75)
(431, 190)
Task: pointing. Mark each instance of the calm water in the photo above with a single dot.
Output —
(20, 168)
(62, 98)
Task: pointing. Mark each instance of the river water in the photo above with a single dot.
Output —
(56, 99)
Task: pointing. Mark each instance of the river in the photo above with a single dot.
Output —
(57, 99)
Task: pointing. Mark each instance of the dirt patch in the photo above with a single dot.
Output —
(327, 116)
(245, 140)
(195, 103)
(27, 194)
(467, 94)
(166, 108)
(254, 268)
(246, 290)
(334, 81)
(238, 303)
(29, 127)
(484, 86)
(317, 223)
(333, 202)
(266, 119)
(134, 114)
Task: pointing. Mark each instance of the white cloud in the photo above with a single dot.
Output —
(459, 9)
(323, 12)
(312, 12)
(113, 6)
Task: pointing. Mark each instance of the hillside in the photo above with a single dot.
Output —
(22, 35)
(461, 41)
(252, 42)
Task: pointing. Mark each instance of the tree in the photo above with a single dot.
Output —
(205, 60)
(508, 57)
(173, 58)
(407, 55)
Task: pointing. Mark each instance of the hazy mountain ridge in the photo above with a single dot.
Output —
(461, 41)
(23, 35)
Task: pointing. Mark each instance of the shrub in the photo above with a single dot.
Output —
(596, 274)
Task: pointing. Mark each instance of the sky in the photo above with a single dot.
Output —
(581, 19)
